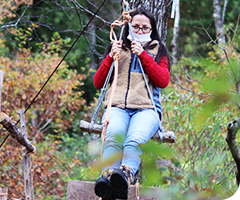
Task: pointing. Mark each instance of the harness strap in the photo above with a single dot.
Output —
(160, 130)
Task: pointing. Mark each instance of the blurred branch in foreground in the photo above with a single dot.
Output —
(232, 129)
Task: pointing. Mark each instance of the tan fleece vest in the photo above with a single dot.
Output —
(131, 91)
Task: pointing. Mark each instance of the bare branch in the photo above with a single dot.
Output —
(93, 50)
(45, 125)
(230, 171)
(206, 96)
(89, 12)
(17, 22)
(201, 95)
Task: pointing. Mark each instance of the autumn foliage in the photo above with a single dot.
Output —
(201, 99)
(54, 110)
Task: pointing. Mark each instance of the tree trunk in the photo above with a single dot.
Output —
(1, 86)
(160, 9)
(92, 38)
(176, 33)
(219, 19)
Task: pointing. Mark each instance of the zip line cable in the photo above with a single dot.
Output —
(57, 66)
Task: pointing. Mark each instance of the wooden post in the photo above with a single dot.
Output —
(3, 193)
(3, 190)
(1, 86)
(28, 177)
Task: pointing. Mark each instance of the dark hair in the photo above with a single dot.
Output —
(154, 35)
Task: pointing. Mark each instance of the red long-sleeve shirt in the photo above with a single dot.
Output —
(158, 73)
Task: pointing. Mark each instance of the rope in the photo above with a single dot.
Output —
(122, 20)
(58, 66)
(106, 121)
(126, 18)
(137, 191)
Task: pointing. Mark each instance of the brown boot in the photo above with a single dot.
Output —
(103, 187)
(121, 179)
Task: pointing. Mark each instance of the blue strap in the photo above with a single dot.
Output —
(160, 130)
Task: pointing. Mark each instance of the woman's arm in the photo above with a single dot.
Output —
(158, 73)
(101, 74)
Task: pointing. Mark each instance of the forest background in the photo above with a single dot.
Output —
(201, 99)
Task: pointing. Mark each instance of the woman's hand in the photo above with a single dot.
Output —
(116, 48)
(136, 48)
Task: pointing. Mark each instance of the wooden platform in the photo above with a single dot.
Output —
(83, 190)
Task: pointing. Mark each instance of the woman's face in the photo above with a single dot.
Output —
(141, 24)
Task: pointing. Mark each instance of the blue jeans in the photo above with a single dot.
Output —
(127, 129)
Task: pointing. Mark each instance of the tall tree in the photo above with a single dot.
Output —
(176, 33)
(219, 19)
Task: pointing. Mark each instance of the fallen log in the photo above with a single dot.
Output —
(15, 133)
(168, 136)
(84, 190)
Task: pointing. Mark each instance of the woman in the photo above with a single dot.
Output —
(132, 119)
